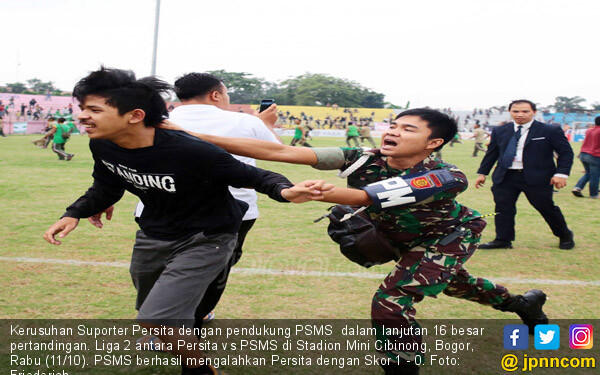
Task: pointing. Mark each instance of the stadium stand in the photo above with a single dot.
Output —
(574, 123)
(379, 114)
(568, 118)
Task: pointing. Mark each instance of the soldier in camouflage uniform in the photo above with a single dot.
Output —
(426, 268)
(432, 261)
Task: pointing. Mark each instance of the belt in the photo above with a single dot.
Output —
(516, 170)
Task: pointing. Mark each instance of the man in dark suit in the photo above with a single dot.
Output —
(525, 151)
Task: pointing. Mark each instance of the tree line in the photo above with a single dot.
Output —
(308, 89)
(573, 104)
(244, 88)
(34, 86)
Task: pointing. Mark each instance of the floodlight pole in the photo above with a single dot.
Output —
(157, 16)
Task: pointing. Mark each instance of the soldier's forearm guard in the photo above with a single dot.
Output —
(410, 189)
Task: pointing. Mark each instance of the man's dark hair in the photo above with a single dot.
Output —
(61, 120)
(597, 120)
(521, 101)
(192, 85)
(441, 125)
(123, 91)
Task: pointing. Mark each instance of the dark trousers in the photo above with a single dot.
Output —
(505, 196)
(59, 149)
(478, 147)
(302, 141)
(217, 287)
(353, 139)
(591, 164)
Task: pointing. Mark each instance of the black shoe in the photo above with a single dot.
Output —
(528, 307)
(577, 193)
(496, 244)
(567, 242)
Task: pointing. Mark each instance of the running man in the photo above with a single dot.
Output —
(411, 199)
(189, 225)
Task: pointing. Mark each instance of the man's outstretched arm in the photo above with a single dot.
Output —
(348, 196)
(255, 148)
(103, 193)
(417, 188)
(96, 199)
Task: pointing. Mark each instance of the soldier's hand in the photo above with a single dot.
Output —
(307, 191)
(96, 220)
(63, 227)
(480, 181)
(558, 182)
(320, 189)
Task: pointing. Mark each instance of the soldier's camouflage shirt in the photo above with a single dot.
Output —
(409, 225)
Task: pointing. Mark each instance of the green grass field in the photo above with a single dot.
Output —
(35, 188)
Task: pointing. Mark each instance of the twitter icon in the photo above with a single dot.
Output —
(546, 336)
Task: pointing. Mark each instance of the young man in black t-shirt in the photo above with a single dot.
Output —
(189, 226)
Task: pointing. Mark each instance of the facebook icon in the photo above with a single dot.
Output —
(516, 336)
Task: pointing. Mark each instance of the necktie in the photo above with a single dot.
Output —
(511, 149)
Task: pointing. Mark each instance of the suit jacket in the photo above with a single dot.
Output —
(538, 153)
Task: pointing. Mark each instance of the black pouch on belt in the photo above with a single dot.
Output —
(359, 239)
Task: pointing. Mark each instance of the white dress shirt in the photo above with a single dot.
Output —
(518, 160)
(208, 119)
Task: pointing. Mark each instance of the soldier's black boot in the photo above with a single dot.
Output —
(528, 306)
(401, 368)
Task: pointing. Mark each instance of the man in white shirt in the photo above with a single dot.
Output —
(204, 109)
(524, 150)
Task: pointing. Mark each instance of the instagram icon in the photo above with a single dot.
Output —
(581, 336)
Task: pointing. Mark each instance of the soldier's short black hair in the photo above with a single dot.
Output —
(123, 91)
(597, 120)
(192, 85)
(521, 101)
(441, 125)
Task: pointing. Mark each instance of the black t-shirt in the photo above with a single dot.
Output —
(182, 181)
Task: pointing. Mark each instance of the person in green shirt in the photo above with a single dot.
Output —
(299, 134)
(454, 140)
(352, 134)
(71, 125)
(60, 135)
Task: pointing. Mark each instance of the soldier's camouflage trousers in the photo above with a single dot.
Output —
(427, 271)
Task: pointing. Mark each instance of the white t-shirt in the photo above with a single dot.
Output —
(208, 119)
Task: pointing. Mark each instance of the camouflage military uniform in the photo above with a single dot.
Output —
(426, 268)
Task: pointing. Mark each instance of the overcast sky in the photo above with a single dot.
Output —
(456, 53)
